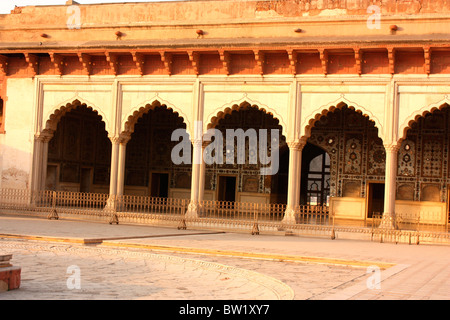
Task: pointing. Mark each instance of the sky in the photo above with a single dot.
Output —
(7, 5)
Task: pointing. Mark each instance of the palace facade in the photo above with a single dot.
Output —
(359, 90)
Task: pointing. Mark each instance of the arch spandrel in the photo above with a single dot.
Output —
(212, 119)
(131, 118)
(54, 116)
(309, 120)
(416, 115)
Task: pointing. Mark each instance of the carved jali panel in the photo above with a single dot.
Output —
(423, 158)
(356, 152)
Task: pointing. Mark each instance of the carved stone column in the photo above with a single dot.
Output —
(388, 220)
(40, 154)
(294, 180)
(115, 143)
(192, 211)
(123, 140)
(201, 185)
(45, 137)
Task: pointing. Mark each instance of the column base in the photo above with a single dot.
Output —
(289, 216)
(111, 209)
(193, 210)
(388, 221)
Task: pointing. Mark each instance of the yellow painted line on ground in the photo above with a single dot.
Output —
(42, 238)
(200, 251)
(253, 255)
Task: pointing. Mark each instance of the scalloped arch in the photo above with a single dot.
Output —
(416, 115)
(218, 114)
(130, 121)
(338, 104)
(55, 116)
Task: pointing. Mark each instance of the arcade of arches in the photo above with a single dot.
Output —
(343, 158)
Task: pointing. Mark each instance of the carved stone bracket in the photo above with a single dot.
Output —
(293, 60)
(324, 60)
(3, 65)
(166, 58)
(358, 59)
(259, 58)
(113, 61)
(58, 62)
(86, 62)
(139, 60)
(427, 56)
(194, 57)
(33, 63)
(225, 58)
(391, 58)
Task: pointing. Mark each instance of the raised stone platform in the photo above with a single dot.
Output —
(9, 275)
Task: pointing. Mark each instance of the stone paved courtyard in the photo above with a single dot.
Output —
(156, 263)
(135, 274)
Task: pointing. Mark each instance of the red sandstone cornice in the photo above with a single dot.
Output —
(358, 59)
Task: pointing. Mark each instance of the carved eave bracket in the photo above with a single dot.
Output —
(324, 60)
(139, 60)
(225, 58)
(113, 61)
(3, 65)
(86, 62)
(194, 57)
(427, 63)
(33, 63)
(358, 59)
(391, 58)
(293, 60)
(166, 58)
(259, 58)
(58, 62)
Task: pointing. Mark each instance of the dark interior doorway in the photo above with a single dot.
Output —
(160, 185)
(86, 180)
(375, 205)
(227, 188)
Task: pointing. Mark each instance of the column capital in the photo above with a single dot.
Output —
(124, 137)
(44, 136)
(197, 142)
(296, 145)
(391, 147)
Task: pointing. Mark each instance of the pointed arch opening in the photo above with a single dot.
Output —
(353, 159)
(422, 170)
(133, 118)
(423, 176)
(54, 119)
(79, 151)
(239, 177)
(149, 167)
